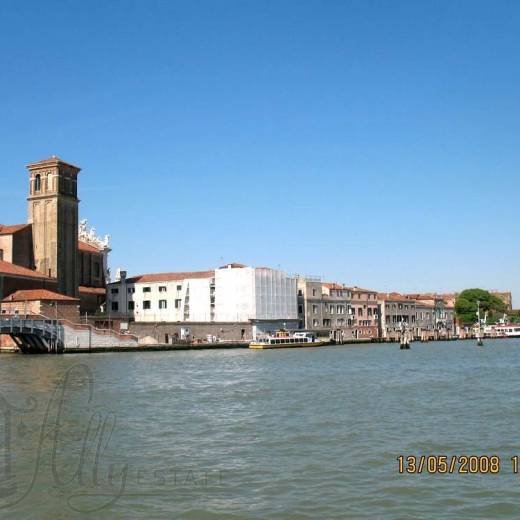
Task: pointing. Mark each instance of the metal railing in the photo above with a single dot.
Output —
(46, 328)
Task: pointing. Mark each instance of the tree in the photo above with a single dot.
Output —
(514, 317)
(466, 306)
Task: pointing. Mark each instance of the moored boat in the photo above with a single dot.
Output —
(507, 331)
(283, 339)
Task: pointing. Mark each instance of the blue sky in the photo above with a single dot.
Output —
(372, 142)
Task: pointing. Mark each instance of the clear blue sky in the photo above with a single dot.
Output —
(373, 142)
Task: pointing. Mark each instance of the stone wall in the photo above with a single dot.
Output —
(23, 248)
(168, 332)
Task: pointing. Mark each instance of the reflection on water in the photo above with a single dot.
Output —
(311, 433)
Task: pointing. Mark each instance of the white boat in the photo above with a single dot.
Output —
(508, 331)
(283, 339)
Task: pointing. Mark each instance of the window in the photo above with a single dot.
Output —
(340, 309)
(37, 183)
(1, 254)
(147, 305)
(326, 322)
(114, 291)
(314, 309)
(360, 311)
(300, 309)
(179, 287)
(131, 306)
(163, 288)
(147, 289)
(369, 311)
(300, 292)
(178, 304)
(315, 323)
(314, 292)
(115, 306)
(131, 290)
(163, 304)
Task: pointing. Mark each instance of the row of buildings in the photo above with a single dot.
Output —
(53, 264)
(236, 301)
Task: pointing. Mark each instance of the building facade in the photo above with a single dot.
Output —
(41, 302)
(435, 316)
(262, 300)
(325, 308)
(395, 313)
(365, 313)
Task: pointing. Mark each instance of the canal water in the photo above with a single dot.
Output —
(239, 434)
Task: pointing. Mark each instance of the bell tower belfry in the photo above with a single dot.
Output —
(53, 213)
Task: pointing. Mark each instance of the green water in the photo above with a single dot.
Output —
(287, 434)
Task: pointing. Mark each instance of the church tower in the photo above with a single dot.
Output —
(53, 213)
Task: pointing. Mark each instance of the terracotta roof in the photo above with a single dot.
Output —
(333, 285)
(393, 296)
(92, 290)
(359, 289)
(424, 303)
(38, 294)
(170, 277)
(425, 296)
(9, 230)
(51, 160)
(88, 248)
(17, 270)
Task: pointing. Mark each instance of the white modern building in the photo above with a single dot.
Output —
(262, 297)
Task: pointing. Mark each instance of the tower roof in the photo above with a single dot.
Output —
(51, 161)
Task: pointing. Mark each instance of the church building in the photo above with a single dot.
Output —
(54, 251)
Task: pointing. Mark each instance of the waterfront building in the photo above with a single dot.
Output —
(310, 308)
(41, 302)
(395, 311)
(232, 302)
(435, 317)
(424, 320)
(54, 248)
(337, 311)
(365, 314)
(325, 308)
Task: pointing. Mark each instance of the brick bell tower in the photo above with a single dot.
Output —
(53, 213)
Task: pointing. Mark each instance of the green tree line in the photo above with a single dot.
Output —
(467, 303)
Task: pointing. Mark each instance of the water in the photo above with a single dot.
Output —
(288, 434)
